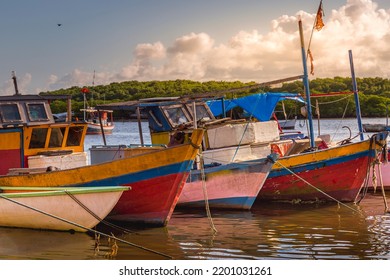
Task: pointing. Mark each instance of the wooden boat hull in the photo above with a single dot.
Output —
(26, 207)
(156, 179)
(375, 127)
(228, 186)
(338, 172)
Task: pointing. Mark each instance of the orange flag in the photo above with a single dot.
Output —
(319, 22)
(318, 25)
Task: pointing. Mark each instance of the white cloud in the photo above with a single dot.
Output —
(22, 83)
(250, 56)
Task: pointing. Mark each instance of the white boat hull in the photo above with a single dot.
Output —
(94, 128)
(57, 210)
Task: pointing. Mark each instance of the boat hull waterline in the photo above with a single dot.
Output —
(229, 186)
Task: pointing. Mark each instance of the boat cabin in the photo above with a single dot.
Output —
(171, 123)
(29, 132)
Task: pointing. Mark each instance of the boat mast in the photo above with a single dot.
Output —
(355, 93)
(306, 86)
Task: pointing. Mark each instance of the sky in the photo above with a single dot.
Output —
(52, 44)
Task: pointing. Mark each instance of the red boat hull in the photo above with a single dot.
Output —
(341, 182)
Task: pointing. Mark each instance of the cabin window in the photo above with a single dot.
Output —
(38, 138)
(37, 112)
(201, 111)
(56, 137)
(176, 115)
(10, 113)
(74, 136)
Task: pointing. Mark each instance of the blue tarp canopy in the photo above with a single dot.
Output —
(260, 105)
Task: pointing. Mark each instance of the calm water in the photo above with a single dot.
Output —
(269, 231)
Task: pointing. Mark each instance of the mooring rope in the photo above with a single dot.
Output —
(82, 205)
(85, 228)
(246, 127)
(364, 189)
(376, 162)
(383, 189)
(206, 199)
(309, 184)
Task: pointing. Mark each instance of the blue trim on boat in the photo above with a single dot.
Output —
(222, 203)
(149, 174)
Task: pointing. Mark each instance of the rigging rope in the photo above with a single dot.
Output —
(246, 127)
(206, 199)
(83, 227)
(96, 216)
(309, 184)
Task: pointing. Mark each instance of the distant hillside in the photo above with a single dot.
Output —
(374, 94)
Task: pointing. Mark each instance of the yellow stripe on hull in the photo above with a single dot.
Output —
(109, 169)
(305, 158)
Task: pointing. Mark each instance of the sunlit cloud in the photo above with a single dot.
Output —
(359, 26)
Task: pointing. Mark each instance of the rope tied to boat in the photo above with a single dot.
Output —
(206, 199)
(319, 190)
(375, 140)
(83, 227)
(82, 205)
(114, 248)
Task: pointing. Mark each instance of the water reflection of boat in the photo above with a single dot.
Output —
(28, 244)
(36, 207)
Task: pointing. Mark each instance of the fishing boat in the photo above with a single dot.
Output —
(226, 176)
(378, 127)
(99, 121)
(375, 127)
(302, 172)
(62, 209)
(227, 186)
(309, 169)
(333, 174)
(43, 153)
(327, 174)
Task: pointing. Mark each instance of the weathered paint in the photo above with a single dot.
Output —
(28, 131)
(339, 172)
(10, 149)
(234, 185)
(156, 179)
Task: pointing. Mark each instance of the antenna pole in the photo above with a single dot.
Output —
(15, 83)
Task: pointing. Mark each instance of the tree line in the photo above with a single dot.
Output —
(374, 94)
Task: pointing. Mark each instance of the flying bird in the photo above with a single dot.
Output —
(59, 24)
